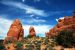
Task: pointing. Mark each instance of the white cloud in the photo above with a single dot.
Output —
(38, 20)
(33, 20)
(1, 37)
(23, 0)
(37, 17)
(4, 26)
(59, 18)
(26, 8)
(32, 15)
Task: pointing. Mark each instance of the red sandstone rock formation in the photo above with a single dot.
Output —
(15, 32)
(68, 23)
(32, 31)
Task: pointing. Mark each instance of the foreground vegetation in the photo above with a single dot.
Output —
(64, 38)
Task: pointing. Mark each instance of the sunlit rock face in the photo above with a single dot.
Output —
(32, 31)
(16, 30)
(68, 23)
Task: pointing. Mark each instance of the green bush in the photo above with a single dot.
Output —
(19, 46)
(2, 47)
(29, 36)
(66, 38)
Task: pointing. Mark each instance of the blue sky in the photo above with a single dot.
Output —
(41, 14)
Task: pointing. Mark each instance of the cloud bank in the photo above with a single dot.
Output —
(4, 26)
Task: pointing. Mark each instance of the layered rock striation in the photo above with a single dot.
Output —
(68, 23)
(15, 32)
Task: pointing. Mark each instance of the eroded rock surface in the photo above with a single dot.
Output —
(15, 32)
(68, 23)
(32, 31)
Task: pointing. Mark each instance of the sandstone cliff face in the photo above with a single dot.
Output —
(32, 31)
(15, 32)
(68, 23)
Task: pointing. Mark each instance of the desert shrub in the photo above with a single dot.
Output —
(8, 47)
(2, 47)
(37, 36)
(19, 46)
(29, 36)
(66, 38)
